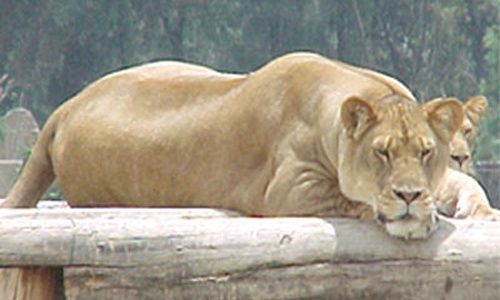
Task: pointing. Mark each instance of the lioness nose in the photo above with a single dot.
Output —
(460, 158)
(408, 196)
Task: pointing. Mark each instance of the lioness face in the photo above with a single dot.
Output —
(399, 154)
(464, 140)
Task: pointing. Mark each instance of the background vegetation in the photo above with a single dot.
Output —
(51, 49)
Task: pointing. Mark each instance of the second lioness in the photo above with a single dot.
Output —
(459, 195)
(301, 136)
(464, 140)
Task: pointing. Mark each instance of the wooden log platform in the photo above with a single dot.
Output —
(215, 254)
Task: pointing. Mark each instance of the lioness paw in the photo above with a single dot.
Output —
(487, 214)
(412, 228)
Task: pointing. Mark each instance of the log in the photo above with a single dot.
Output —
(213, 254)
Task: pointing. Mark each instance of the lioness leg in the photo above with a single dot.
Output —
(305, 188)
(475, 206)
(486, 213)
(460, 196)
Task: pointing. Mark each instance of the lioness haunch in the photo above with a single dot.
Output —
(302, 136)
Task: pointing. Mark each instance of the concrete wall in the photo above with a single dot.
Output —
(19, 130)
(8, 172)
(19, 133)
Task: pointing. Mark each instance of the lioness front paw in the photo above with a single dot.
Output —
(486, 214)
(412, 228)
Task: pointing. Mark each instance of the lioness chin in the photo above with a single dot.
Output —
(302, 136)
(412, 228)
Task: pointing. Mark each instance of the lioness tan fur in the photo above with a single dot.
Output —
(459, 195)
(302, 136)
(464, 141)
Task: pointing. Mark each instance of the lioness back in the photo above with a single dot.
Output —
(137, 126)
(175, 134)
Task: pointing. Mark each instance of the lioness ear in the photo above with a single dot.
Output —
(475, 108)
(357, 116)
(445, 116)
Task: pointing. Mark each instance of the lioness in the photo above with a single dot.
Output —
(459, 195)
(302, 136)
(464, 141)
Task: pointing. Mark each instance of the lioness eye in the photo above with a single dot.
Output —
(425, 153)
(467, 131)
(382, 153)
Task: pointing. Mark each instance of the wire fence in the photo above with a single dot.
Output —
(488, 174)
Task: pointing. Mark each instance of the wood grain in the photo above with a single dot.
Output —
(207, 254)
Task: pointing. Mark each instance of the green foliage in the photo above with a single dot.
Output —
(54, 48)
(490, 85)
(489, 140)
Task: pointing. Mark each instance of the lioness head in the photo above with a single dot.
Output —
(464, 140)
(394, 156)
